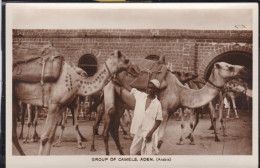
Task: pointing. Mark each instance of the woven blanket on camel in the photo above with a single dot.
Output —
(147, 70)
(35, 69)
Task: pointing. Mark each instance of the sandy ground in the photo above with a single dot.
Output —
(237, 142)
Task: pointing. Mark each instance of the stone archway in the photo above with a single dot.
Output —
(235, 58)
(231, 57)
(88, 63)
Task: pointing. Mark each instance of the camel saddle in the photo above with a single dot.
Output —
(147, 70)
(39, 69)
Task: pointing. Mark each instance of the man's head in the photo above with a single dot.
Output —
(153, 87)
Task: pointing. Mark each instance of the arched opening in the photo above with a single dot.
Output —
(153, 57)
(88, 63)
(235, 58)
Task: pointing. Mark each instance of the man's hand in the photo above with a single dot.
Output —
(117, 81)
(148, 137)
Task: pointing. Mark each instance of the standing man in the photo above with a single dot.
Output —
(147, 118)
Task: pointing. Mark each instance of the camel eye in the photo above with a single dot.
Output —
(231, 68)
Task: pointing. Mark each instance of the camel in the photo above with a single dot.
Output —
(240, 88)
(232, 90)
(171, 97)
(183, 77)
(57, 94)
(228, 90)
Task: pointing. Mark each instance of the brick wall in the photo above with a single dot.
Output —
(187, 50)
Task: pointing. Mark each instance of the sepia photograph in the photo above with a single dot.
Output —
(128, 84)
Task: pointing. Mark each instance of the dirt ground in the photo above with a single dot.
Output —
(237, 142)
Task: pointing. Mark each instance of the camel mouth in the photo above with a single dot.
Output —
(244, 73)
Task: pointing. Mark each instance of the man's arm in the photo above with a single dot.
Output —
(148, 137)
(119, 83)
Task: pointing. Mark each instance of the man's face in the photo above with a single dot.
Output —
(151, 89)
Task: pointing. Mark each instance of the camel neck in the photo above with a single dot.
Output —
(91, 85)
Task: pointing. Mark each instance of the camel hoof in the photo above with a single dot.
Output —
(93, 148)
(217, 140)
(179, 143)
(81, 147)
(192, 143)
(159, 144)
(21, 137)
(211, 127)
(237, 117)
(188, 137)
(25, 140)
(227, 116)
(57, 144)
(84, 140)
(32, 140)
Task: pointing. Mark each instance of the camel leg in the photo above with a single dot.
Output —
(100, 113)
(211, 120)
(192, 126)
(109, 106)
(234, 106)
(228, 107)
(49, 128)
(35, 136)
(197, 112)
(107, 120)
(58, 142)
(29, 123)
(76, 126)
(114, 125)
(212, 114)
(114, 133)
(123, 129)
(129, 121)
(14, 124)
(22, 120)
(182, 126)
(221, 106)
(162, 128)
(58, 117)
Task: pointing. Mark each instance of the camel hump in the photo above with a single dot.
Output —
(147, 70)
(37, 69)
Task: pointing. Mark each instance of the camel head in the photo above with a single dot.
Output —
(222, 72)
(184, 77)
(236, 85)
(117, 62)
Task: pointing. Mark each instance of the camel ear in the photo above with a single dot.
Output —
(178, 73)
(162, 60)
(119, 54)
